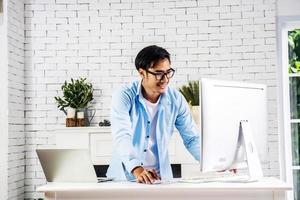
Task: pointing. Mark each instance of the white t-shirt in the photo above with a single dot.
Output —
(151, 161)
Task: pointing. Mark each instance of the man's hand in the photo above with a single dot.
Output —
(144, 175)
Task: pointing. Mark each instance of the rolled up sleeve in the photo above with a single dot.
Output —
(187, 128)
(121, 129)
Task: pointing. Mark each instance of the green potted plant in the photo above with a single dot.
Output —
(191, 94)
(76, 99)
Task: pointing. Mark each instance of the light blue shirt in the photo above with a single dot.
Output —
(131, 128)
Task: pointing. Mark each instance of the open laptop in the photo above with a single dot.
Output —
(68, 165)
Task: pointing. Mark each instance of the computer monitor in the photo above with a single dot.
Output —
(224, 104)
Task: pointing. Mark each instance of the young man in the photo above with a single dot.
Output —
(143, 116)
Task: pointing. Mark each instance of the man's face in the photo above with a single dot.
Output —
(154, 79)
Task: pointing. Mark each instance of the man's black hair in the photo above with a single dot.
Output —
(149, 56)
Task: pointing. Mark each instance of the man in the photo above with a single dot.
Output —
(143, 116)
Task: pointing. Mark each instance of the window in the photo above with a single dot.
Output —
(289, 101)
(294, 90)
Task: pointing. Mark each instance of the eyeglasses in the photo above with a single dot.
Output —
(160, 75)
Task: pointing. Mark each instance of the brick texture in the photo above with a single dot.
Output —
(222, 39)
(16, 103)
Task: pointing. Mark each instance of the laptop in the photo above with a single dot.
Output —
(68, 165)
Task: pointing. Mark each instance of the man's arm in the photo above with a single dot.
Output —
(121, 129)
(187, 128)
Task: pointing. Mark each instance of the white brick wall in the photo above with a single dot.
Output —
(16, 108)
(3, 105)
(224, 39)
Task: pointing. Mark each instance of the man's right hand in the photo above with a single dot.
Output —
(144, 175)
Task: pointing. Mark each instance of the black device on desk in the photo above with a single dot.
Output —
(104, 179)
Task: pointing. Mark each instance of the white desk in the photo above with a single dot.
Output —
(267, 189)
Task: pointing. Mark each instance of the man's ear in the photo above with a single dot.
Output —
(141, 72)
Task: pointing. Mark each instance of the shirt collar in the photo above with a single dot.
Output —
(164, 99)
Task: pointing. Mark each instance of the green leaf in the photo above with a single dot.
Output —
(294, 43)
(191, 92)
(76, 94)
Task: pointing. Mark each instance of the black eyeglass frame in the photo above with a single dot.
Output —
(163, 74)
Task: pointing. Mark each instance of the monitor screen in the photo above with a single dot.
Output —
(224, 104)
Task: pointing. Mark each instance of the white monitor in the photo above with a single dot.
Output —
(224, 104)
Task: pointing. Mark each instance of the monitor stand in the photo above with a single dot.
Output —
(246, 141)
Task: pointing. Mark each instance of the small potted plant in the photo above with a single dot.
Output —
(75, 101)
(105, 122)
(191, 94)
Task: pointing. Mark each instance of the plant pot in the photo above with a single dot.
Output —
(80, 121)
(71, 119)
(71, 112)
(71, 122)
(79, 117)
(89, 114)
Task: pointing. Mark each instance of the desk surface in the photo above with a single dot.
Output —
(268, 183)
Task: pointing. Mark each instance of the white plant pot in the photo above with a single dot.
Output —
(80, 115)
(71, 112)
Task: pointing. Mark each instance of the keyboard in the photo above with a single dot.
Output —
(218, 177)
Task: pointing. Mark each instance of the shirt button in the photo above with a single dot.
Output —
(147, 136)
(148, 122)
(142, 164)
(145, 150)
